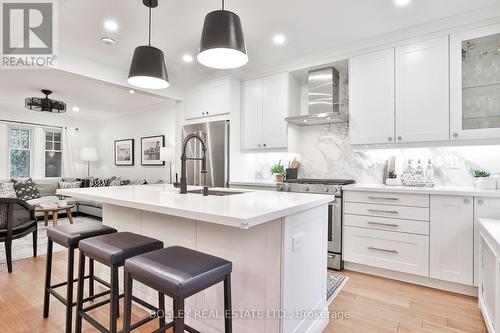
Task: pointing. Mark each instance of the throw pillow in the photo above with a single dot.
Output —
(86, 182)
(96, 182)
(7, 190)
(115, 182)
(26, 190)
(70, 185)
(138, 182)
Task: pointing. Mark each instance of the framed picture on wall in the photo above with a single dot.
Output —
(150, 150)
(124, 152)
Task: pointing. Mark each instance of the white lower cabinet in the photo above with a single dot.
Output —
(487, 208)
(451, 238)
(386, 249)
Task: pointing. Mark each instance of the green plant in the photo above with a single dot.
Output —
(480, 173)
(62, 197)
(392, 175)
(278, 168)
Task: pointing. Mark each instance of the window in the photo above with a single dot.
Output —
(53, 155)
(20, 153)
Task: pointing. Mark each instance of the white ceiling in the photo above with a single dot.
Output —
(97, 100)
(309, 26)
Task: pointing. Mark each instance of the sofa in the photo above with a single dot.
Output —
(47, 188)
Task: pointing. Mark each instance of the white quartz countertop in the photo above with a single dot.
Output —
(239, 210)
(442, 190)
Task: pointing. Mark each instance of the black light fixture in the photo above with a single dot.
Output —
(148, 69)
(45, 104)
(222, 43)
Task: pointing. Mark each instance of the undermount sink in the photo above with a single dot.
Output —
(217, 193)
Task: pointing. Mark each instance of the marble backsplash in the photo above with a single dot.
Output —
(325, 152)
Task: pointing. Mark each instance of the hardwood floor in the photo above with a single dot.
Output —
(373, 305)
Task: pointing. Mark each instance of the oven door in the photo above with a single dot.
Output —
(335, 234)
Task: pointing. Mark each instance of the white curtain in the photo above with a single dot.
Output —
(68, 149)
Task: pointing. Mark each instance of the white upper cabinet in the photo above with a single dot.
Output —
(475, 84)
(215, 97)
(452, 238)
(266, 102)
(371, 98)
(422, 91)
(251, 116)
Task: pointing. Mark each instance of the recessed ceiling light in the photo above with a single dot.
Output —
(131, 91)
(187, 58)
(76, 109)
(401, 3)
(110, 25)
(108, 40)
(279, 39)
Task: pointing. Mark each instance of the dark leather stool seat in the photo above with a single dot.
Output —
(177, 270)
(70, 235)
(113, 249)
(179, 273)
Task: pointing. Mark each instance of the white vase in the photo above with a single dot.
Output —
(392, 182)
(484, 183)
(62, 203)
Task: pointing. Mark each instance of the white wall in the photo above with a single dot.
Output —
(160, 121)
(86, 136)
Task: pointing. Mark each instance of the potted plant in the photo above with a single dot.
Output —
(483, 182)
(278, 171)
(62, 200)
(392, 179)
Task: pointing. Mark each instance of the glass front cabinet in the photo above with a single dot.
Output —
(475, 84)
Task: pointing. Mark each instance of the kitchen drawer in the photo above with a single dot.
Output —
(386, 249)
(398, 212)
(384, 223)
(387, 198)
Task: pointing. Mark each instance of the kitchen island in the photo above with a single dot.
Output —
(276, 241)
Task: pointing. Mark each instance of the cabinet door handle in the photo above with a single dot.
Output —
(382, 250)
(480, 202)
(264, 144)
(383, 198)
(466, 201)
(383, 211)
(455, 135)
(400, 138)
(390, 138)
(384, 224)
(259, 145)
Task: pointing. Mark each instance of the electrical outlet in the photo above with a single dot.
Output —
(453, 162)
(297, 241)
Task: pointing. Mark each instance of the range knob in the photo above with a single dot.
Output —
(326, 189)
(334, 190)
(306, 189)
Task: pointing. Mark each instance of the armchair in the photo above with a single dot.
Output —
(17, 219)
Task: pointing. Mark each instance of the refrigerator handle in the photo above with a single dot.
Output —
(226, 153)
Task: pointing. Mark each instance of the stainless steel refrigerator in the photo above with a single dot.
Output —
(216, 135)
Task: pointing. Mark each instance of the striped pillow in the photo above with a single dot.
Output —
(7, 190)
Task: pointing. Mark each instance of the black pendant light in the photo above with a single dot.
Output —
(222, 43)
(148, 69)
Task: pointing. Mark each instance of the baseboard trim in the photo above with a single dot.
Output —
(414, 279)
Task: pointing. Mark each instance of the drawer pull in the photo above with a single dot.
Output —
(383, 198)
(382, 250)
(384, 224)
(383, 211)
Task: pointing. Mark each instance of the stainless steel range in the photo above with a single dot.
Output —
(335, 223)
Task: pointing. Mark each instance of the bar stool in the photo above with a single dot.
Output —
(179, 273)
(111, 250)
(69, 236)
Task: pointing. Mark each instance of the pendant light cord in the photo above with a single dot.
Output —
(223, 3)
(149, 34)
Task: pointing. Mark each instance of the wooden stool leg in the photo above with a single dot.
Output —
(54, 218)
(179, 315)
(228, 320)
(79, 300)
(127, 319)
(91, 278)
(113, 311)
(161, 307)
(35, 242)
(70, 217)
(48, 272)
(69, 290)
(46, 218)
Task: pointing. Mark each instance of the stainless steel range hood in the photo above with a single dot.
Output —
(323, 99)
